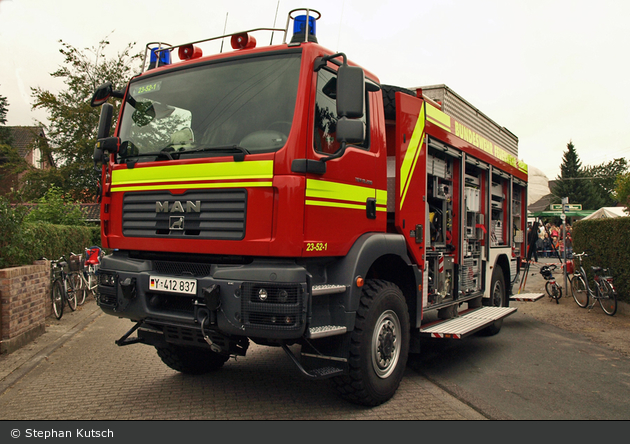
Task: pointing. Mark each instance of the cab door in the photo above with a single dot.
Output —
(341, 203)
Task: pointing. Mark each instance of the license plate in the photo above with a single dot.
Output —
(173, 285)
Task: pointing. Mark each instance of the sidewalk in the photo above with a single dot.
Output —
(15, 365)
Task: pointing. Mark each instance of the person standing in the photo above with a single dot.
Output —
(532, 237)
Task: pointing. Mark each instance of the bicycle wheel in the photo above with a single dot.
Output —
(71, 295)
(580, 293)
(553, 291)
(608, 298)
(80, 287)
(56, 294)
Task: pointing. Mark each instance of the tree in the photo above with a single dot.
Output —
(5, 133)
(574, 184)
(622, 190)
(73, 122)
(56, 208)
(604, 179)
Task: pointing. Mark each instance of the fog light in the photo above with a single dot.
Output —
(283, 296)
(262, 294)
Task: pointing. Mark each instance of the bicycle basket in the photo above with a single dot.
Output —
(75, 263)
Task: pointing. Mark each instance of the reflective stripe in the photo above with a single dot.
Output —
(204, 175)
(411, 155)
(436, 116)
(341, 195)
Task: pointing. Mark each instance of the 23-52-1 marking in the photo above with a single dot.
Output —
(316, 246)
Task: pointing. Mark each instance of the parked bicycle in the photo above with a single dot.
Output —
(603, 291)
(62, 287)
(88, 279)
(551, 287)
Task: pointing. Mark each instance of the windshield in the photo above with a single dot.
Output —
(243, 106)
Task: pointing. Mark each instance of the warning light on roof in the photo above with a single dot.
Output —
(299, 28)
(164, 57)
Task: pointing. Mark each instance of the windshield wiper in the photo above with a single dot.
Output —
(238, 157)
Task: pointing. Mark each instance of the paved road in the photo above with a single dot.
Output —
(78, 373)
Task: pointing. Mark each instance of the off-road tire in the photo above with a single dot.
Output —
(379, 346)
(498, 298)
(389, 99)
(190, 360)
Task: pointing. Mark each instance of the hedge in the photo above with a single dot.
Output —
(36, 240)
(607, 243)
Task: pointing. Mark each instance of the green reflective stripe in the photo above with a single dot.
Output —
(439, 118)
(412, 154)
(381, 197)
(327, 203)
(322, 189)
(197, 186)
(167, 176)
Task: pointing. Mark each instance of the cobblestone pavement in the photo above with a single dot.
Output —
(76, 372)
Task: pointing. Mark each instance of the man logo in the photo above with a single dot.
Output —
(176, 223)
(177, 207)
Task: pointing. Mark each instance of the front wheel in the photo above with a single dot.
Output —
(190, 360)
(71, 293)
(608, 300)
(57, 299)
(554, 291)
(379, 346)
(79, 287)
(579, 291)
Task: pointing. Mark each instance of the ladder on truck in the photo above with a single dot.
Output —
(466, 323)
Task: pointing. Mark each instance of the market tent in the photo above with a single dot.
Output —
(606, 212)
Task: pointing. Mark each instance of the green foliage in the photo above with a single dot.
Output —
(73, 122)
(55, 208)
(607, 242)
(574, 183)
(11, 233)
(5, 133)
(604, 179)
(22, 242)
(622, 190)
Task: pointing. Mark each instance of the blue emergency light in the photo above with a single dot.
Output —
(164, 58)
(299, 29)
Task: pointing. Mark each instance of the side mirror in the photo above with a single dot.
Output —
(104, 92)
(101, 94)
(350, 92)
(350, 131)
(105, 121)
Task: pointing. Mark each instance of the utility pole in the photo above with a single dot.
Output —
(563, 216)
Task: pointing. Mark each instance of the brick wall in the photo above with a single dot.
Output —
(24, 304)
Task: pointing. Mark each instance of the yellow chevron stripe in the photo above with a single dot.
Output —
(411, 155)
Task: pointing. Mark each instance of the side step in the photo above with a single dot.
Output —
(527, 297)
(328, 289)
(466, 323)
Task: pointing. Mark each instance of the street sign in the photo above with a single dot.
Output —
(567, 207)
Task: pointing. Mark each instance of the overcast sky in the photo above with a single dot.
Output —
(550, 71)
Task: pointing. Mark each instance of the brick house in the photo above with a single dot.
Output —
(30, 143)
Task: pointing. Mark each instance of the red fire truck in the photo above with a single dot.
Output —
(282, 195)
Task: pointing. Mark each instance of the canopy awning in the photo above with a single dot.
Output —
(557, 213)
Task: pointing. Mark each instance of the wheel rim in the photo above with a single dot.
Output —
(497, 294)
(386, 344)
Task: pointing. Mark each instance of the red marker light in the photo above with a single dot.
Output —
(243, 41)
(188, 52)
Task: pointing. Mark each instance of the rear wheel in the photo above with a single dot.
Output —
(498, 298)
(190, 360)
(57, 299)
(608, 301)
(379, 346)
(579, 291)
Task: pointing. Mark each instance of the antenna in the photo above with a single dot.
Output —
(224, 28)
(274, 23)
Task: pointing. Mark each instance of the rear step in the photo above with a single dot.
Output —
(466, 323)
(527, 297)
